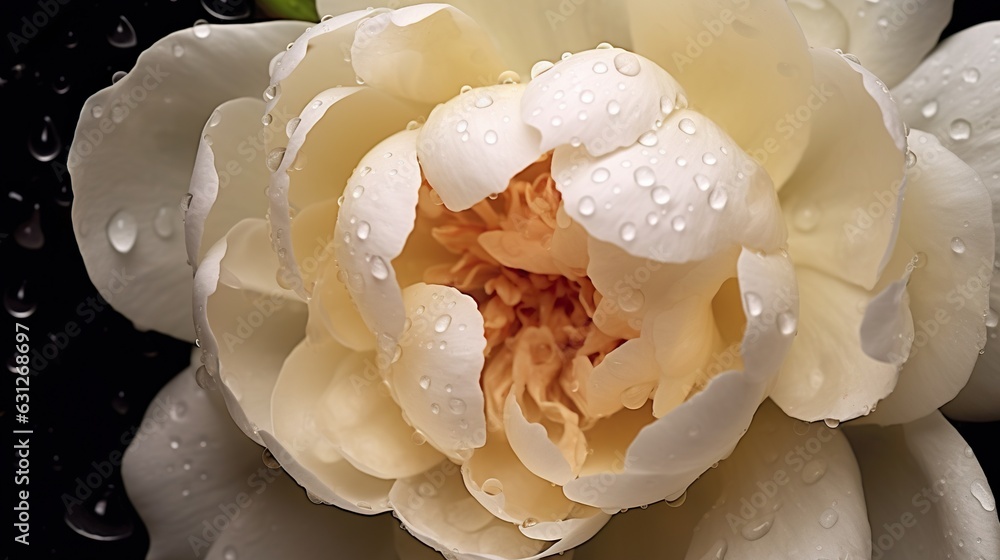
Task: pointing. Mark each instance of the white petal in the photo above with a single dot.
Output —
(672, 451)
(301, 447)
(320, 158)
(474, 143)
(746, 67)
(376, 218)
(890, 37)
(683, 193)
(827, 373)
(633, 363)
(225, 186)
(359, 417)
(529, 30)
(424, 53)
(843, 202)
(927, 495)
(246, 323)
(603, 98)
(789, 490)
(947, 224)
(435, 375)
(944, 105)
(332, 312)
(119, 164)
(437, 509)
(530, 441)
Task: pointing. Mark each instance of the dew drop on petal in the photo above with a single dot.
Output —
(540, 68)
(757, 528)
(718, 198)
(957, 245)
(983, 495)
(600, 175)
(442, 323)
(614, 107)
(645, 176)
(627, 64)
(929, 109)
(201, 29)
(787, 323)
(648, 139)
(687, 126)
(828, 518)
(813, 471)
(628, 231)
(490, 137)
(587, 206)
(660, 195)
(587, 96)
(600, 68)
(678, 223)
(274, 158)
(754, 304)
(164, 221)
(960, 129)
(122, 230)
(379, 269)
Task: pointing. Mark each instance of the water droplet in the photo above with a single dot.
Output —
(718, 550)
(614, 107)
(165, 220)
(645, 177)
(271, 92)
(813, 471)
(492, 487)
(911, 159)
(627, 231)
(379, 269)
(600, 175)
(982, 493)
(709, 158)
(831, 422)
(490, 137)
(117, 76)
(45, 145)
(357, 192)
(123, 34)
(364, 228)
(178, 50)
(29, 233)
(540, 67)
(806, 217)
(929, 109)
(483, 101)
(787, 323)
(587, 206)
(960, 129)
(628, 64)
(435, 408)
(970, 75)
(465, 89)
(660, 195)
(269, 460)
(754, 304)
(508, 77)
(228, 10)
(201, 29)
(702, 182)
(756, 529)
(828, 518)
(18, 304)
(718, 198)
(678, 223)
(600, 68)
(425, 382)
(957, 245)
(457, 406)
(204, 379)
(274, 158)
(687, 126)
(992, 318)
(442, 323)
(122, 229)
(229, 553)
(556, 121)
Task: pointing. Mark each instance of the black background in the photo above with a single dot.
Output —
(87, 399)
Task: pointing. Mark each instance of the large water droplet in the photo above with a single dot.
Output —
(102, 517)
(992, 318)
(660, 195)
(18, 302)
(269, 460)
(600, 175)
(457, 406)
(813, 471)
(29, 233)
(757, 528)
(929, 109)
(957, 245)
(614, 107)
(718, 198)
(274, 158)
(828, 518)
(678, 223)
(587, 206)
(627, 232)
(787, 323)
(425, 382)
(754, 304)
(644, 177)
(201, 29)
(379, 269)
(628, 64)
(983, 494)
(442, 323)
(970, 75)
(490, 137)
(540, 68)
(122, 35)
(44, 144)
(123, 229)
(600, 68)
(484, 100)
(165, 220)
(228, 10)
(960, 129)
(687, 126)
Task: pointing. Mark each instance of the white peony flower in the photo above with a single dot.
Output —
(508, 308)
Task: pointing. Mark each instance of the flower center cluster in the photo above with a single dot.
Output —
(538, 309)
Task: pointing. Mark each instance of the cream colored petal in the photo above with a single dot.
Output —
(927, 495)
(424, 53)
(745, 65)
(246, 323)
(227, 178)
(528, 30)
(498, 480)
(298, 442)
(683, 192)
(365, 425)
(603, 99)
(842, 204)
(672, 451)
(434, 374)
(473, 144)
(788, 490)
(957, 109)
(132, 157)
(632, 364)
(530, 442)
(890, 37)
(827, 373)
(320, 160)
(332, 312)
(948, 225)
